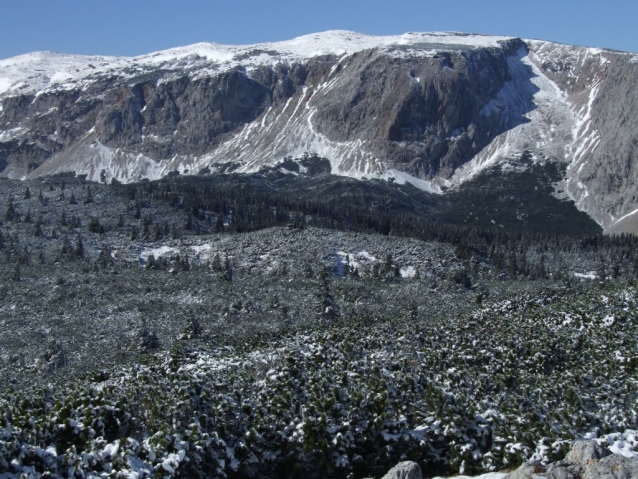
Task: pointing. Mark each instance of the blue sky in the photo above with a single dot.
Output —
(133, 27)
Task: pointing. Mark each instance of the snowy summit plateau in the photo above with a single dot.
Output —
(430, 109)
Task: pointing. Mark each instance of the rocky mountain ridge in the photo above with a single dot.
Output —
(432, 109)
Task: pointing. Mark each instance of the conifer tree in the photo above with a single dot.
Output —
(89, 196)
(217, 263)
(219, 224)
(11, 213)
(17, 273)
(228, 269)
(327, 308)
(67, 249)
(79, 247)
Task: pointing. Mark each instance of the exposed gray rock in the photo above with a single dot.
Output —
(585, 453)
(404, 470)
(601, 87)
(613, 467)
(526, 471)
(586, 460)
(564, 470)
(611, 174)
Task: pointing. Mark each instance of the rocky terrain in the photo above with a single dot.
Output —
(433, 110)
(587, 460)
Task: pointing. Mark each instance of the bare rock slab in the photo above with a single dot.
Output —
(404, 470)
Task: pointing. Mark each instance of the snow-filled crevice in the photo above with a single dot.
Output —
(537, 119)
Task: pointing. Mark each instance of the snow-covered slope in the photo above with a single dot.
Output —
(562, 82)
(432, 109)
(44, 71)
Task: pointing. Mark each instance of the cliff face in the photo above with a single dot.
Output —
(610, 173)
(431, 109)
(601, 88)
(421, 114)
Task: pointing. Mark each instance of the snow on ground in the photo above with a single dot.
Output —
(291, 132)
(409, 272)
(358, 260)
(362, 260)
(8, 135)
(91, 157)
(5, 84)
(591, 64)
(201, 252)
(539, 116)
(529, 96)
(587, 275)
(158, 252)
(41, 71)
(624, 443)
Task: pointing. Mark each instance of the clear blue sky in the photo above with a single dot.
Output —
(132, 27)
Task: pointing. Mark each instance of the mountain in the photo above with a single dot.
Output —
(432, 109)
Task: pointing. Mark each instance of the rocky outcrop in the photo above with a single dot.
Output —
(586, 460)
(600, 87)
(404, 470)
(611, 173)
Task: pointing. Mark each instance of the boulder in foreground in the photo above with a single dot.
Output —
(586, 460)
(404, 470)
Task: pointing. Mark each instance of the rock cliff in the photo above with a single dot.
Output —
(430, 109)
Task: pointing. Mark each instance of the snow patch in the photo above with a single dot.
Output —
(42, 71)
(536, 117)
(357, 260)
(12, 133)
(157, 252)
(5, 84)
(409, 272)
(61, 76)
(624, 443)
(589, 275)
(618, 220)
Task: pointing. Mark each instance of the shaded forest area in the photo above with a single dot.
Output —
(240, 203)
